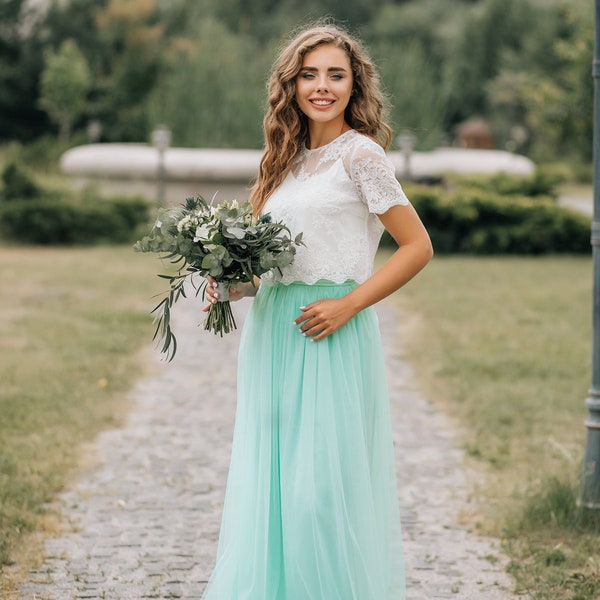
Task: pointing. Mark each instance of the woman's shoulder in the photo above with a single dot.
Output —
(361, 146)
(361, 149)
(356, 139)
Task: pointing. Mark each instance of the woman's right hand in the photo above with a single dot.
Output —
(212, 296)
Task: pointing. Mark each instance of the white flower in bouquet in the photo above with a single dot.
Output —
(202, 232)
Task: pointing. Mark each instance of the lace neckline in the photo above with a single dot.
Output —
(308, 163)
(329, 144)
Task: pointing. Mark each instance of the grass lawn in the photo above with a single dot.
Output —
(71, 324)
(503, 345)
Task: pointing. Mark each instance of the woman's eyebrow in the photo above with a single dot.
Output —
(330, 69)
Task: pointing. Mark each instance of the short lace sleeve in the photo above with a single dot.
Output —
(374, 177)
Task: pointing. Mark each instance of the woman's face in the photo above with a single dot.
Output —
(324, 84)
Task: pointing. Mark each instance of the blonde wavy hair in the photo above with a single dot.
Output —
(286, 127)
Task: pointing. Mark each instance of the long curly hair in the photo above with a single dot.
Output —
(286, 127)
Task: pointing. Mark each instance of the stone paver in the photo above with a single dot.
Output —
(143, 516)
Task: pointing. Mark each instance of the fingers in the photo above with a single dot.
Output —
(304, 316)
(316, 328)
(318, 331)
(312, 324)
(324, 317)
(210, 293)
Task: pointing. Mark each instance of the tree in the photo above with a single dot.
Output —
(21, 61)
(200, 65)
(134, 43)
(212, 98)
(475, 54)
(64, 85)
(550, 103)
(409, 47)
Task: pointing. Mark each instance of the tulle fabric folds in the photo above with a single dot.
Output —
(311, 507)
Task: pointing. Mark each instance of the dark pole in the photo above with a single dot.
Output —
(589, 496)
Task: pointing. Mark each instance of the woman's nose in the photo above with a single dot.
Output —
(321, 85)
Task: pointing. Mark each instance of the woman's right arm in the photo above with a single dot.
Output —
(235, 292)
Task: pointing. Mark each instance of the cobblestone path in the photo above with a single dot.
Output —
(142, 518)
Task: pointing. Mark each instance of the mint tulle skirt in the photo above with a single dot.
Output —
(311, 509)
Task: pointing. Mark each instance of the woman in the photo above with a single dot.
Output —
(311, 508)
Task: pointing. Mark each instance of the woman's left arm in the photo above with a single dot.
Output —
(321, 318)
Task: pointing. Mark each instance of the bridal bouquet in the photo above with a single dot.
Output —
(226, 242)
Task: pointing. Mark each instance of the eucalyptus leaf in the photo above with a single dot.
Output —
(236, 232)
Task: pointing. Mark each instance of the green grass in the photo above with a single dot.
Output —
(503, 345)
(71, 323)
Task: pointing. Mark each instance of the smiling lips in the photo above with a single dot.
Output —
(321, 102)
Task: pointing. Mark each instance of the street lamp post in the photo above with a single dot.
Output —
(161, 139)
(406, 142)
(589, 495)
(94, 131)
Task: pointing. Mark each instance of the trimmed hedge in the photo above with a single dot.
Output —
(42, 216)
(63, 222)
(542, 183)
(481, 215)
(18, 184)
(476, 221)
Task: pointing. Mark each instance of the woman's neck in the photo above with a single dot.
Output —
(320, 134)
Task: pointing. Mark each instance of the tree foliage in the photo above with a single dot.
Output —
(64, 85)
(550, 101)
(200, 65)
(21, 62)
(132, 35)
(212, 99)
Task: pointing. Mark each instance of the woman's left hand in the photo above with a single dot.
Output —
(321, 318)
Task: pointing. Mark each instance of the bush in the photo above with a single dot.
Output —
(476, 221)
(542, 183)
(18, 184)
(69, 221)
(34, 214)
(132, 210)
(43, 153)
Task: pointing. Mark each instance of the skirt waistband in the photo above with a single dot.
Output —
(320, 282)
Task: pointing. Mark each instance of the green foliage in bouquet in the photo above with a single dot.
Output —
(226, 242)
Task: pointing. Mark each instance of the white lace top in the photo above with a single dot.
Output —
(332, 194)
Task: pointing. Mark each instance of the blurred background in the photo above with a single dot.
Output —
(521, 66)
(509, 76)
